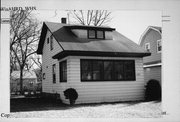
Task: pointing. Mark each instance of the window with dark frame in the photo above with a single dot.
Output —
(63, 71)
(107, 70)
(159, 47)
(96, 34)
(44, 76)
(51, 42)
(48, 40)
(54, 73)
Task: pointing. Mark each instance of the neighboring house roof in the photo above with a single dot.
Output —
(71, 45)
(155, 28)
(26, 75)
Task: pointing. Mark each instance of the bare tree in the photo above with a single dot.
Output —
(37, 60)
(91, 17)
(25, 33)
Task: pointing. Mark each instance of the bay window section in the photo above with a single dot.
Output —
(118, 70)
(97, 71)
(86, 70)
(107, 70)
(129, 70)
(63, 71)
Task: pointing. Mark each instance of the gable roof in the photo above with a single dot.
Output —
(26, 75)
(70, 43)
(155, 28)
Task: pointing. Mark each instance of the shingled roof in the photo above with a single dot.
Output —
(120, 45)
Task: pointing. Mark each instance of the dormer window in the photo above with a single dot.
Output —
(96, 34)
(100, 34)
(91, 34)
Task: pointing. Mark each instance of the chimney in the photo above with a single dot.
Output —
(63, 20)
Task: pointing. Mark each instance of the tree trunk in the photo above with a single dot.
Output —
(21, 81)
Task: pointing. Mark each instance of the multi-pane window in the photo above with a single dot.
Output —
(107, 70)
(51, 42)
(54, 73)
(147, 47)
(63, 71)
(159, 47)
(96, 34)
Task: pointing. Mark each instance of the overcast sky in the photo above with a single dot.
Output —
(129, 23)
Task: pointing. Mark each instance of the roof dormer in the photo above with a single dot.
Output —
(92, 32)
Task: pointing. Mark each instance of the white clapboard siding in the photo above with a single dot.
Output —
(47, 62)
(108, 91)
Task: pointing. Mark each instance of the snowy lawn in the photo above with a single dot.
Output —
(52, 109)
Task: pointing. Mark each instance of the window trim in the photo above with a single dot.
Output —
(54, 73)
(61, 72)
(113, 79)
(157, 46)
(148, 46)
(96, 37)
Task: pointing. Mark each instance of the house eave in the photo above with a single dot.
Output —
(63, 54)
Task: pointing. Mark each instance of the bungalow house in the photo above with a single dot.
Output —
(151, 42)
(101, 64)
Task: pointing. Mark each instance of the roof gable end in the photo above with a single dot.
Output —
(149, 28)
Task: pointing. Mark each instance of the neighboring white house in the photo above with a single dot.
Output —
(151, 41)
(100, 63)
(29, 81)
